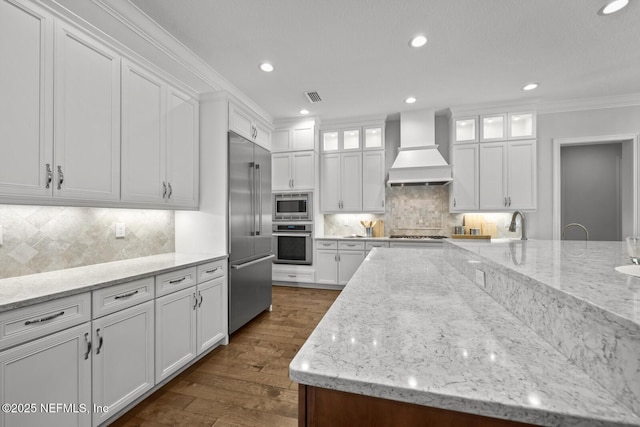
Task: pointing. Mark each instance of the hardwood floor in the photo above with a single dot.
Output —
(245, 383)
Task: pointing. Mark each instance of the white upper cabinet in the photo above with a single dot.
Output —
(182, 150)
(27, 91)
(159, 142)
(143, 135)
(300, 137)
(522, 125)
(247, 126)
(464, 193)
(341, 140)
(373, 138)
(293, 171)
(87, 117)
(493, 127)
(493, 176)
(373, 174)
(465, 129)
(351, 185)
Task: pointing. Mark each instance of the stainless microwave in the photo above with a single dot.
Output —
(292, 207)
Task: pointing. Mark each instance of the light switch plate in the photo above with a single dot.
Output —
(480, 278)
(120, 230)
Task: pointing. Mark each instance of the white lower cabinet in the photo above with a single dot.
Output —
(123, 359)
(175, 331)
(210, 315)
(336, 262)
(42, 375)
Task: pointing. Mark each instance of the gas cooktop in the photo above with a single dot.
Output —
(409, 236)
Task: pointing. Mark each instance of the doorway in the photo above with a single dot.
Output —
(591, 194)
(595, 186)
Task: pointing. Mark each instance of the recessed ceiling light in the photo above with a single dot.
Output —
(304, 112)
(418, 41)
(613, 6)
(530, 86)
(410, 100)
(266, 67)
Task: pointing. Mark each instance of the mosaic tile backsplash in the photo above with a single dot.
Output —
(47, 238)
(412, 210)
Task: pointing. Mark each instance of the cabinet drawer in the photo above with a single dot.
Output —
(175, 280)
(283, 276)
(370, 245)
(24, 324)
(211, 270)
(326, 244)
(351, 246)
(115, 298)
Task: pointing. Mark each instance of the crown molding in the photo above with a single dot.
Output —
(150, 31)
(628, 100)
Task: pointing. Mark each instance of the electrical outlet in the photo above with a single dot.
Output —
(120, 230)
(480, 278)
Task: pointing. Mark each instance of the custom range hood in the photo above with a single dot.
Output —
(419, 162)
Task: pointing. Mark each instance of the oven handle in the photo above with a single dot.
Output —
(291, 234)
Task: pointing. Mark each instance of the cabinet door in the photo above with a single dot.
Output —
(281, 172)
(373, 181)
(240, 122)
(175, 331)
(326, 266)
(280, 141)
(211, 315)
(373, 138)
(123, 358)
(262, 136)
(348, 263)
(521, 161)
(522, 125)
(465, 186)
(182, 150)
(493, 127)
(330, 141)
(465, 129)
(303, 170)
(330, 190)
(493, 176)
(303, 138)
(143, 136)
(351, 183)
(87, 119)
(27, 93)
(50, 370)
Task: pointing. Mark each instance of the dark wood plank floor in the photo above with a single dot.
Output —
(247, 382)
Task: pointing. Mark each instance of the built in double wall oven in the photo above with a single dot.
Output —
(292, 207)
(292, 243)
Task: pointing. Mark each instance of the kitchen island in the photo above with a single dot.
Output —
(411, 331)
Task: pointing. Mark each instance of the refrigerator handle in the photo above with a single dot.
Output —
(250, 263)
(259, 199)
(252, 166)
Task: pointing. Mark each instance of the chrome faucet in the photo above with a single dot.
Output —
(523, 224)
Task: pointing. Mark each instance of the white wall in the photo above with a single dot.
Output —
(205, 231)
(606, 121)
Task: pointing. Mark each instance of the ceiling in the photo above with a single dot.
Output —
(356, 55)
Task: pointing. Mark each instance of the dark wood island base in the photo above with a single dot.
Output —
(321, 407)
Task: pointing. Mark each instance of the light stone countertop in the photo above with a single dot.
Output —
(378, 239)
(31, 289)
(410, 327)
(581, 269)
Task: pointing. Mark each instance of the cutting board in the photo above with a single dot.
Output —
(473, 221)
(489, 229)
(378, 228)
(471, 236)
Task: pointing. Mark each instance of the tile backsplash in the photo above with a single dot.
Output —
(46, 238)
(412, 210)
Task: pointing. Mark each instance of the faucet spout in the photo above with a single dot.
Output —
(523, 224)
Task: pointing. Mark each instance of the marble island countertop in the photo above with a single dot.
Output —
(412, 328)
(34, 288)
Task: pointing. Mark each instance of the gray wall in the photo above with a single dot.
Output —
(606, 121)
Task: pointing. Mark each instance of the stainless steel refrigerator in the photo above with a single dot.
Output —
(250, 254)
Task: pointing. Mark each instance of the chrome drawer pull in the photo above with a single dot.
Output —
(173, 282)
(49, 175)
(44, 319)
(126, 295)
(201, 299)
(60, 177)
(291, 275)
(211, 271)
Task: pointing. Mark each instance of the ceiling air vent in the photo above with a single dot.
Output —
(313, 96)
